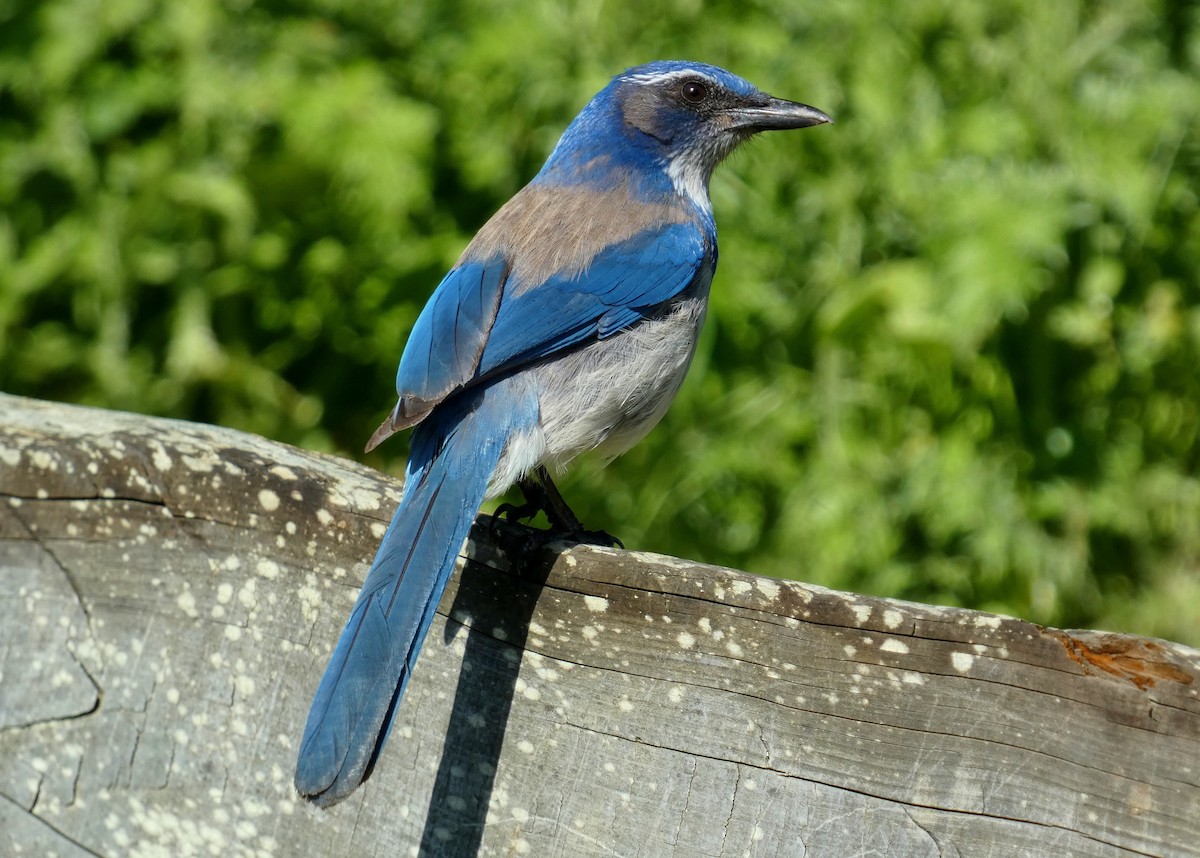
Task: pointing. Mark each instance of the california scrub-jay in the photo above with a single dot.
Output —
(567, 325)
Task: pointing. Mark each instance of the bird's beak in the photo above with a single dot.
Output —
(777, 114)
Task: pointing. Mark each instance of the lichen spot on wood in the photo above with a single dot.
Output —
(161, 460)
(768, 588)
(962, 661)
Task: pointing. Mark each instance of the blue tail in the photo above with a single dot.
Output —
(454, 453)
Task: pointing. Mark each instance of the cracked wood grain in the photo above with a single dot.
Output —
(169, 594)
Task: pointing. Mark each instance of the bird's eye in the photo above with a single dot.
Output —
(694, 91)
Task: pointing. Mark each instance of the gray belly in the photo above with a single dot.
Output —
(609, 394)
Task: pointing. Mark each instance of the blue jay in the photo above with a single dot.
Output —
(566, 326)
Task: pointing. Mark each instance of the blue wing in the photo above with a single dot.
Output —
(481, 322)
(446, 344)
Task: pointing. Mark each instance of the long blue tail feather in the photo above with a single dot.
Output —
(453, 456)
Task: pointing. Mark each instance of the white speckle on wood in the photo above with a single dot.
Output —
(596, 604)
(685, 640)
(43, 460)
(892, 618)
(862, 613)
(160, 459)
(548, 674)
(367, 500)
(770, 589)
(187, 603)
(893, 645)
(962, 661)
(247, 596)
(268, 500)
(202, 464)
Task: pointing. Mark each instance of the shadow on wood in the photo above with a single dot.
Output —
(169, 594)
(487, 681)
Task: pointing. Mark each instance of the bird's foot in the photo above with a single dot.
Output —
(533, 541)
(541, 495)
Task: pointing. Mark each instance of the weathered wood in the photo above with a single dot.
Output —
(169, 594)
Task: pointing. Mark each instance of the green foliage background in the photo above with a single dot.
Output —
(953, 347)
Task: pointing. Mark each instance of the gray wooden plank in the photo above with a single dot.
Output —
(169, 594)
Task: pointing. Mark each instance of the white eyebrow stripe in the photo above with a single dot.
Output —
(664, 77)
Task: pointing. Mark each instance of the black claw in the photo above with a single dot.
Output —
(512, 512)
(594, 537)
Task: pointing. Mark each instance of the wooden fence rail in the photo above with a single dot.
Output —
(169, 594)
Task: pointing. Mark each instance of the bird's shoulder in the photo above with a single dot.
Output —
(552, 231)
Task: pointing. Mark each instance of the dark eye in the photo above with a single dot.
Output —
(694, 91)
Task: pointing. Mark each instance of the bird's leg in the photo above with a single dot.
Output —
(541, 495)
(563, 519)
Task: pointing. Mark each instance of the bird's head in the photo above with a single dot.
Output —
(679, 119)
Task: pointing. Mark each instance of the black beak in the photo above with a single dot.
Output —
(776, 114)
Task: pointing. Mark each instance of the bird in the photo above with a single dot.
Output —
(565, 327)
